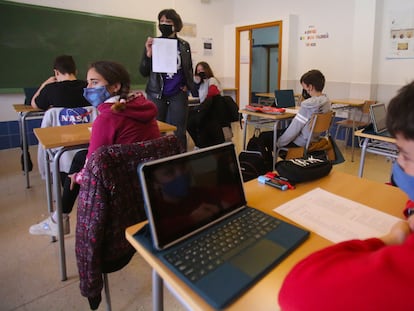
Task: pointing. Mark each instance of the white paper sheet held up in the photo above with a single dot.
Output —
(336, 218)
(164, 55)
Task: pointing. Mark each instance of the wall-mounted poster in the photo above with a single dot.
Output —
(401, 34)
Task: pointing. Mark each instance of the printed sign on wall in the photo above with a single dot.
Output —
(311, 36)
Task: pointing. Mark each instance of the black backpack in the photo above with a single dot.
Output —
(252, 165)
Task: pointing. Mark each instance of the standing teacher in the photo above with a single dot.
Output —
(169, 91)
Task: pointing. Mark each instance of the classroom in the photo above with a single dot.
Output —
(349, 41)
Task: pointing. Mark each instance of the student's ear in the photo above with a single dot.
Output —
(114, 88)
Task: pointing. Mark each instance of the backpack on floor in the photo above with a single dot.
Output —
(252, 165)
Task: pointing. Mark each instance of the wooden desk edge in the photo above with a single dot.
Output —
(360, 133)
(182, 290)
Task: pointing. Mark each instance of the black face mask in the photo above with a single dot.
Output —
(166, 30)
(305, 94)
(202, 75)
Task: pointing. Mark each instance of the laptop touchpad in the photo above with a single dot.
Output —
(253, 259)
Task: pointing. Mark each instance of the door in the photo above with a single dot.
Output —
(258, 60)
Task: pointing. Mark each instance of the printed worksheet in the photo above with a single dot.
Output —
(336, 218)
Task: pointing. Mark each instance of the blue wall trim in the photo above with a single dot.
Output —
(10, 133)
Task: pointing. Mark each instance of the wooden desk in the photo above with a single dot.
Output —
(66, 138)
(26, 112)
(349, 102)
(263, 295)
(376, 144)
(265, 118)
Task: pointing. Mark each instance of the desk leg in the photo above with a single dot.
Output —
(274, 143)
(58, 198)
(363, 153)
(25, 148)
(48, 183)
(245, 131)
(157, 292)
(353, 135)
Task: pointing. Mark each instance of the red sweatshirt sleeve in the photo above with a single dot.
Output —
(352, 275)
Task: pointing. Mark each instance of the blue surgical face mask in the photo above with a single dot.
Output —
(403, 180)
(178, 187)
(96, 95)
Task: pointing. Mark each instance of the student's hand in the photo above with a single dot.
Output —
(72, 180)
(50, 80)
(399, 232)
(148, 46)
(411, 222)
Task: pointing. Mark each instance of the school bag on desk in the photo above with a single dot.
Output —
(303, 169)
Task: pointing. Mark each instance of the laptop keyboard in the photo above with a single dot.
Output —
(202, 255)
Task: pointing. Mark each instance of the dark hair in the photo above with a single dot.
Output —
(207, 69)
(172, 15)
(400, 112)
(113, 73)
(314, 77)
(65, 64)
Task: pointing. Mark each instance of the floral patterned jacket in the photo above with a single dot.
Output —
(110, 200)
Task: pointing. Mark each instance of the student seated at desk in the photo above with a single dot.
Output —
(298, 132)
(207, 85)
(373, 274)
(123, 118)
(63, 89)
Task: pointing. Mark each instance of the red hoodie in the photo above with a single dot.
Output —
(136, 123)
(351, 276)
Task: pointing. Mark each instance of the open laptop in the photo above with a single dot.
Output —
(285, 98)
(28, 94)
(196, 206)
(378, 113)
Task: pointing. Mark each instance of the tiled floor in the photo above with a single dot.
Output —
(29, 270)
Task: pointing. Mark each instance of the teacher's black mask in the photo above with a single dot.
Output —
(166, 30)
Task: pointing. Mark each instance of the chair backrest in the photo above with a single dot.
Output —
(367, 104)
(320, 123)
(110, 200)
(61, 116)
(65, 116)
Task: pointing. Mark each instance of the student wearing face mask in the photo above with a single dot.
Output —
(298, 132)
(208, 86)
(372, 274)
(123, 118)
(169, 91)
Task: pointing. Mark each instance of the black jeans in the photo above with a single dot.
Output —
(69, 196)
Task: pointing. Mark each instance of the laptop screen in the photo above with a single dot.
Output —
(188, 192)
(378, 117)
(285, 98)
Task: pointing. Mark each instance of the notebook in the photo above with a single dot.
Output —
(378, 114)
(188, 198)
(284, 98)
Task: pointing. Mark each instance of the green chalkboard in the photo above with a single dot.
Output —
(32, 36)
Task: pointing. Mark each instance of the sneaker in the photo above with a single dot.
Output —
(49, 227)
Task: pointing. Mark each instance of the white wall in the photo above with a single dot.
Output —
(353, 58)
